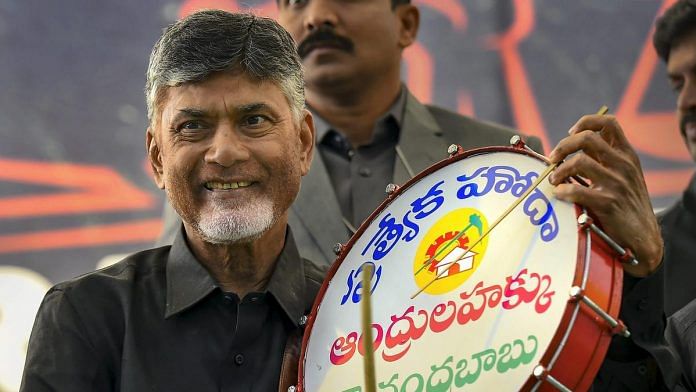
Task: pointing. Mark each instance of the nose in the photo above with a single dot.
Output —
(320, 13)
(226, 148)
(687, 96)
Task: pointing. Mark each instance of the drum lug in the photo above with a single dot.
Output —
(391, 188)
(454, 149)
(303, 320)
(338, 248)
(617, 326)
(542, 374)
(625, 254)
(292, 388)
(517, 142)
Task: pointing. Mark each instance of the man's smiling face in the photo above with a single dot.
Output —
(681, 68)
(230, 155)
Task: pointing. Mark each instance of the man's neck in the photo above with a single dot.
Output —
(354, 111)
(240, 268)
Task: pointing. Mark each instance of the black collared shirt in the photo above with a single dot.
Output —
(157, 321)
(678, 226)
(359, 175)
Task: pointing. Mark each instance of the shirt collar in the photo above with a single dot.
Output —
(287, 284)
(188, 281)
(396, 111)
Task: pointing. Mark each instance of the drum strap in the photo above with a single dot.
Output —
(291, 358)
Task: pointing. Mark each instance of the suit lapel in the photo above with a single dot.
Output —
(420, 140)
(318, 209)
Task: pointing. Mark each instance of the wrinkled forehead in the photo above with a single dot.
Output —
(217, 83)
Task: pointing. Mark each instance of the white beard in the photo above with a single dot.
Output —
(225, 225)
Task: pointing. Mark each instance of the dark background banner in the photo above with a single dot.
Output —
(74, 184)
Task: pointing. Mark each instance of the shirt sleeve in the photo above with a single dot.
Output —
(681, 334)
(60, 356)
(643, 362)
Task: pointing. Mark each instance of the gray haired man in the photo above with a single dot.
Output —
(229, 140)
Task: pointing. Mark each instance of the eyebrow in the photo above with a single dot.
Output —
(189, 113)
(254, 107)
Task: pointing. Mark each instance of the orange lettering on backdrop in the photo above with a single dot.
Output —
(84, 189)
(653, 133)
(267, 9)
(451, 9)
(89, 189)
(137, 231)
(525, 110)
(420, 67)
(419, 72)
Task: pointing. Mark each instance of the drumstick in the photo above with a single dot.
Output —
(366, 308)
(603, 110)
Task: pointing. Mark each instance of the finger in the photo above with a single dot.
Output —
(595, 199)
(590, 143)
(584, 166)
(605, 125)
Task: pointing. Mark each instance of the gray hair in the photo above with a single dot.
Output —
(210, 41)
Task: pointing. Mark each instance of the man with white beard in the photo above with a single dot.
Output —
(229, 139)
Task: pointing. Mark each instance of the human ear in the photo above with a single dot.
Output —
(306, 141)
(155, 157)
(409, 18)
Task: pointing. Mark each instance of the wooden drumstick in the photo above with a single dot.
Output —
(603, 110)
(366, 310)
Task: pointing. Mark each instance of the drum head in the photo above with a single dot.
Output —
(489, 308)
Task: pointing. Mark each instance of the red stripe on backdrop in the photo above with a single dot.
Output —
(98, 235)
(89, 189)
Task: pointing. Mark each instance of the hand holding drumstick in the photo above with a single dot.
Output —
(618, 196)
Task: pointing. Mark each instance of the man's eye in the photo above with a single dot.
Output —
(297, 2)
(191, 126)
(256, 120)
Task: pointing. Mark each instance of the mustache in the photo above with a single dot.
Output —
(323, 36)
(689, 117)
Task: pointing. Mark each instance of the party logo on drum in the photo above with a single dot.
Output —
(451, 251)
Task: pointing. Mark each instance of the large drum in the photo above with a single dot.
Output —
(524, 307)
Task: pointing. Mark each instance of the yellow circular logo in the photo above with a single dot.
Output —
(450, 251)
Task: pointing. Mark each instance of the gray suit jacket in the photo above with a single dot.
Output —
(426, 132)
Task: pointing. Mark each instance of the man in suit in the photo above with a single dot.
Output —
(371, 131)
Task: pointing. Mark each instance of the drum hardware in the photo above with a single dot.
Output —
(500, 218)
(625, 254)
(366, 313)
(303, 320)
(338, 248)
(543, 375)
(617, 326)
(391, 188)
(454, 149)
(292, 388)
(517, 142)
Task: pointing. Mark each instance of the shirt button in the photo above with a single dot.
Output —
(365, 172)
(642, 369)
(239, 359)
(642, 304)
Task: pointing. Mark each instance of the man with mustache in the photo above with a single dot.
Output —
(675, 43)
(371, 131)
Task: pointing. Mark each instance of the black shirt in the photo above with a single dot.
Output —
(157, 321)
(678, 226)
